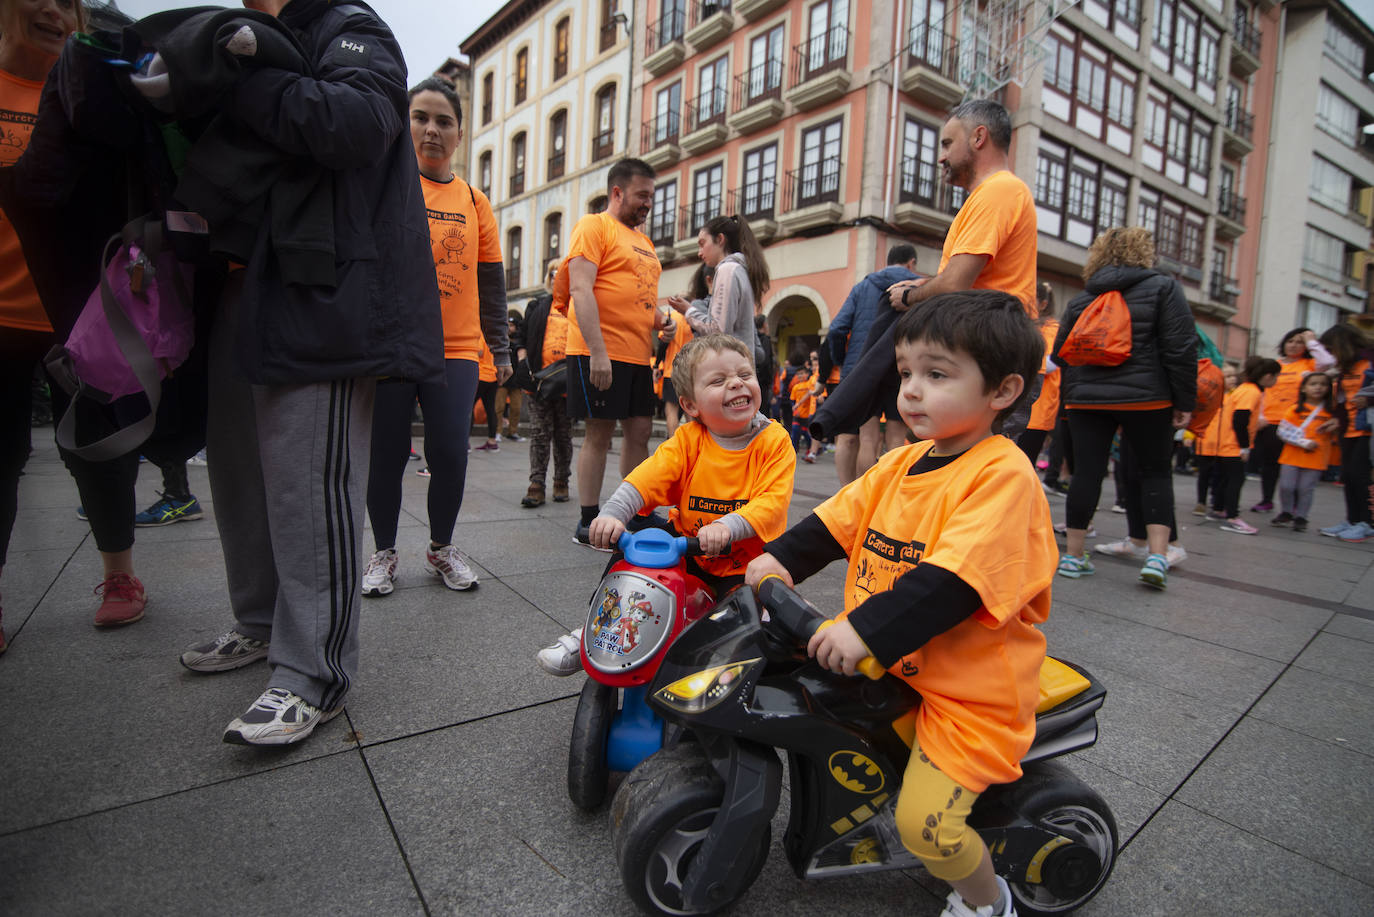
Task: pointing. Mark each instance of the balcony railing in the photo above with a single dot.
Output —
(1239, 122)
(558, 163)
(820, 54)
(666, 30)
(607, 41)
(1217, 288)
(666, 128)
(1246, 34)
(696, 215)
(814, 183)
(919, 184)
(933, 48)
(603, 145)
(1231, 205)
(517, 182)
(661, 227)
(707, 108)
(760, 82)
(513, 277)
(755, 200)
(705, 9)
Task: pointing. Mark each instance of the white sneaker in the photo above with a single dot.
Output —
(1175, 555)
(449, 564)
(1123, 548)
(380, 577)
(278, 717)
(955, 906)
(562, 658)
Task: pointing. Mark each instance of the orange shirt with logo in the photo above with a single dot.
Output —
(463, 234)
(998, 220)
(1219, 438)
(20, 306)
(555, 338)
(626, 287)
(984, 518)
(1283, 394)
(803, 402)
(702, 480)
(486, 363)
(1045, 409)
(1299, 457)
(1349, 386)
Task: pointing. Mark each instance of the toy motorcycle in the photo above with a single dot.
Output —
(643, 602)
(691, 824)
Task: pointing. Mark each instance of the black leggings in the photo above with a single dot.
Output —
(20, 352)
(447, 408)
(1151, 436)
(1267, 448)
(486, 393)
(106, 488)
(1031, 442)
(1355, 478)
(1061, 448)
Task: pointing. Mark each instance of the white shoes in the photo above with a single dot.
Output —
(563, 657)
(380, 577)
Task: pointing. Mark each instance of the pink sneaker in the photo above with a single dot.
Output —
(1239, 526)
(123, 600)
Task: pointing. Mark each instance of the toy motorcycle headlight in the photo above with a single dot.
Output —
(703, 690)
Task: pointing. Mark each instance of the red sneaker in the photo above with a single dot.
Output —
(123, 600)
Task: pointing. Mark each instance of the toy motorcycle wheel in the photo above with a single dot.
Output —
(660, 817)
(588, 772)
(1070, 875)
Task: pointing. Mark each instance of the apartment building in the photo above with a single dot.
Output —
(460, 75)
(1314, 252)
(551, 95)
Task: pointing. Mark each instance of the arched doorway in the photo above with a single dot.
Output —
(794, 321)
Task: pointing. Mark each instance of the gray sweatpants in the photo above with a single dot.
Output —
(1296, 489)
(288, 476)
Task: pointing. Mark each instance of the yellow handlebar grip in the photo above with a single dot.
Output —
(868, 665)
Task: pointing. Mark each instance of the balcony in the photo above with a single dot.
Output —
(1230, 215)
(603, 145)
(690, 221)
(923, 203)
(1237, 133)
(814, 194)
(758, 97)
(558, 164)
(756, 203)
(517, 182)
(705, 121)
(819, 69)
(710, 21)
(752, 10)
(659, 141)
(929, 72)
(663, 45)
(1223, 289)
(1245, 45)
(513, 277)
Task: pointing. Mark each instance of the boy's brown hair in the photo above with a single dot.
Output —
(694, 351)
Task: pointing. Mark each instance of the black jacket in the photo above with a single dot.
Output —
(1163, 361)
(381, 317)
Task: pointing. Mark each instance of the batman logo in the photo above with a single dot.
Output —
(855, 772)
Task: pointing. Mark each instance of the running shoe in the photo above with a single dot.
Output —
(488, 447)
(1155, 573)
(515, 438)
(1175, 555)
(81, 514)
(423, 472)
(1200, 509)
(562, 658)
(167, 511)
(1239, 526)
(122, 600)
(1118, 508)
(278, 717)
(809, 458)
(1360, 531)
(449, 564)
(230, 650)
(414, 456)
(380, 577)
(1123, 548)
(1265, 507)
(1334, 531)
(1299, 524)
(1282, 520)
(956, 906)
(1075, 567)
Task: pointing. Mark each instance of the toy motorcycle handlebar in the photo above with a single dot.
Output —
(656, 547)
(802, 620)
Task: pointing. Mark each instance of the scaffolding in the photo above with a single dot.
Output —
(1001, 42)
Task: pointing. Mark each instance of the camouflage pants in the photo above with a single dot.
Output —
(549, 425)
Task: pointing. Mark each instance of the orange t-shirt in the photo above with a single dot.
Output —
(1299, 457)
(803, 402)
(626, 287)
(684, 334)
(702, 480)
(20, 306)
(1283, 394)
(998, 220)
(984, 518)
(1219, 439)
(463, 233)
(1045, 409)
(1350, 385)
(555, 338)
(486, 363)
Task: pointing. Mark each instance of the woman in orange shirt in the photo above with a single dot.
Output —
(1294, 363)
(1348, 344)
(1303, 458)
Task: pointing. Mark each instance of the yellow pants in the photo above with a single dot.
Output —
(932, 814)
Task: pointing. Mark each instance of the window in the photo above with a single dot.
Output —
(1163, 34)
(1331, 185)
(920, 143)
(1092, 84)
(1076, 196)
(1089, 89)
(1121, 96)
(513, 259)
(1082, 198)
(1190, 248)
(1147, 211)
(827, 36)
(517, 164)
(1119, 16)
(1200, 148)
(1049, 178)
(1220, 276)
(765, 64)
(488, 90)
(608, 26)
(929, 44)
(484, 173)
(1344, 47)
(560, 48)
(1059, 55)
(707, 187)
(1178, 231)
(553, 239)
(1185, 46)
(599, 204)
(712, 93)
(1337, 116)
(1209, 49)
(1324, 254)
(663, 213)
(522, 75)
(603, 141)
(1178, 141)
(1156, 119)
(760, 182)
(558, 144)
(1111, 209)
(667, 108)
(1185, 37)
(819, 180)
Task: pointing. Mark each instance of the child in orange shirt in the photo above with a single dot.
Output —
(951, 556)
(1303, 458)
(803, 409)
(728, 477)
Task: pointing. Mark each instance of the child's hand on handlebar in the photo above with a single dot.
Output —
(838, 648)
(714, 538)
(605, 531)
(763, 566)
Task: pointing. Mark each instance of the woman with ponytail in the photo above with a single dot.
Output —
(728, 245)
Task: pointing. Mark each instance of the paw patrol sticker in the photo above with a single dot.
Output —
(629, 620)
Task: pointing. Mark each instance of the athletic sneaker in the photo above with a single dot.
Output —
(1215, 516)
(1360, 531)
(562, 658)
(1155, 573)
(1175, 555)
(809, 458)
(1282, 520)
(81, 514)
(1239, 526)
(489, 447)
(122, 600)
(230, 650)
(424, 471)
(278, 717)
(956, 906)
(380, 577)
(1265, 507)
(583, 536)
(1299, 524)
(1200, 509)
(1074, 567)
(414, 456)
(515, 438)
(1118, 508)
(167, 511)
(1334, 531)
(449, 564)
(1123, 548)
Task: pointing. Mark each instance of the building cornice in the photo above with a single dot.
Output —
(505, 21)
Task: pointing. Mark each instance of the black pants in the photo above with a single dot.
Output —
(486, 393)
(106, 488)
(1267, 447)
(1207, 477)
(1355, 478)
(1151, 436)
(1061, 448)
(1031, 442)
(1128, 484)
(1230, 478)
(20, 352)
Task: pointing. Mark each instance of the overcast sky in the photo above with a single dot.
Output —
(429, 30)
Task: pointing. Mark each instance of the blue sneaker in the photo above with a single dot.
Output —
(1076, 567)
(1155, 573)
(169, 510)
(81, 514)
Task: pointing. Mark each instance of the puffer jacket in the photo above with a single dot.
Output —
(1163, 361)
(849, 329)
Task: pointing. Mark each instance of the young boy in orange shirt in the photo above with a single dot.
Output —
(728, 476)
(951, 556)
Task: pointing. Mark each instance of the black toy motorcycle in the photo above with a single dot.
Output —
(691, 823)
